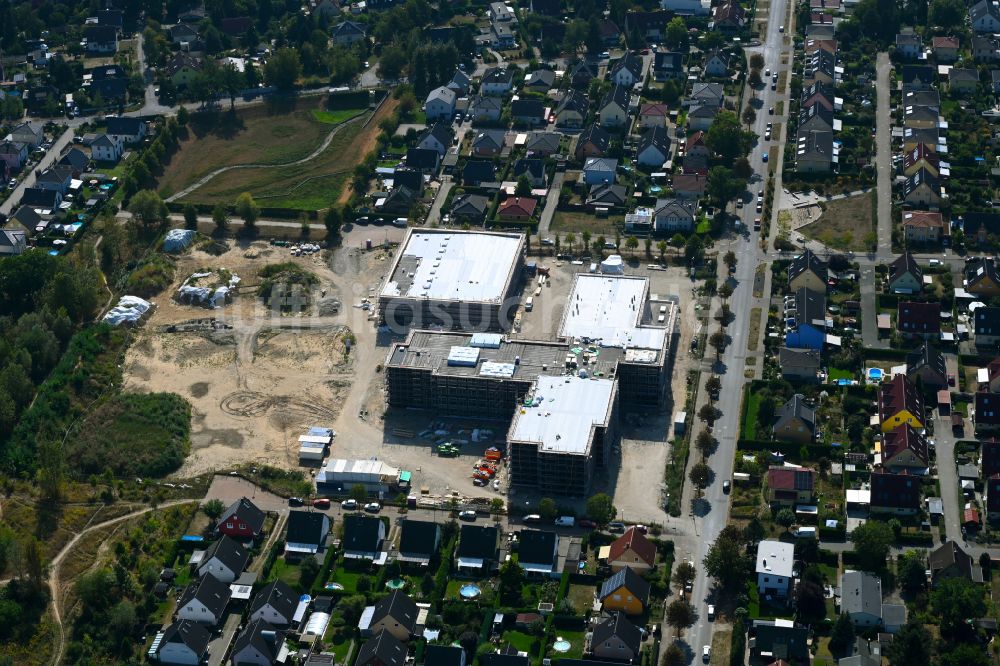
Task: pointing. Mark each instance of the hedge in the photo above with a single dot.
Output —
(265, 211)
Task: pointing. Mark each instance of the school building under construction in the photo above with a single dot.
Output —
(455, 280)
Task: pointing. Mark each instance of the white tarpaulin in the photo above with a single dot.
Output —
(177, 240)
(130, 310)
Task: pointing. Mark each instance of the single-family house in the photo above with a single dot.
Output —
(101, 39)
(347, 33)
(919, 77)
(904, 449)
(306, 533)
(478, 549)
(12, 242)
(517, 208)
(242, 520)
(538, 553)
(497, 81)
(616, 639)
(437, 137)
(488, 143)
(610, 32)
(651, 25)
(790, 486)
(625, 591)
(275, 603)
(775, 568)
(985, 17)
(183, 69)
(915, 320)
(440, 104)
(470, 208)
(800, 364)
(982, 277)
(985, 48)
(654, 147)
(30, 134)
(39, 197)
(326, 8)
(779, 642)
(927, 364)
(653, 115)
(668, 65)
(729, 16)
(204, 601)
(987, 412)
(499, 11)
(796, 421)
(607, 195)
(424, 160)
(527, 112)
(922, 189)
(444, 655)
(26, 219)
(396, 614)
(572, 110)
(945, 48)
(460, 83)
(674, 214)
(816, 118)
(905, 276)
(689, 185)
(687, 7)
(13, 154)
(382, 650)
(259, 644)
(531, 168)
(807, 329)
(543, 144)
(992, 498)
(581, 73)
(599, 170)
(900, 402)
(593, 141)
(540, 80)
(923, 226)
(613, 109)
(75, 159)
(225, 559)
(908, 45)
(989, 461)
(627, 70)
(986, 328)
(183, 643)
(861, 601)
(364, 537)
(814, 151)
(485, 109)
(632, 550)
(129, 130)
(950, 561)
(807, 271)
(476, 172)
(895, 493)
(717, 63)
(963, 79)
(56, 178)
(419, 540)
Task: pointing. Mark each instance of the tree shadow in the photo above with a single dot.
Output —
(700, 506)
(47, 516)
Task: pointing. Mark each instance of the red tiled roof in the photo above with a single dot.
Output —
(518, 206)
(945, 42)
(639, 544)
(897, 395)
(922, 218)
(790, 478)
(654, 110)
(902, 438)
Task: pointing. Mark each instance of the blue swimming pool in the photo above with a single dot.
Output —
(875, 374)
(470, 591)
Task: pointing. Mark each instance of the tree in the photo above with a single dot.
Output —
(964, 654)
(954, 601)
(785, 518)
(571, 241)
(705, 443)
(722, 186)
(754, 79)
(700, 475)
(680, 615)
(147, 207)
(871, 542)
(221, 217)
(600, 509)
(523, 188)
(391, 62)
(727, 139)
(586, 240)
(547, 509)
(754, 531)
(333, 220)
(247, 209)
(308, 570)
(684, 574)
(912, 572)
(283, 68)
(810, 601)
(673, 656)
(359, 492)
(718, 341)
(677, 34)
(190, 216)
(911, 646)
(725, 291)
(842, 635)
(662, 247)
(511, 581)
(182, 116)
(729, 259)
(725, 561)
(213, 508)
(749, 116)
(632, 243)
(946, 13)
(232, 82)
(708, 413)
(756, 61)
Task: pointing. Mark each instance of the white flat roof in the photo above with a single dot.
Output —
(563, 412)
(776, 558)
(454, 266)
(608, 310)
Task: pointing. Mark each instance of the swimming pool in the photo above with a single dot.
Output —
(333, 586)
(470, 591)
(561, 645)
(875, 374)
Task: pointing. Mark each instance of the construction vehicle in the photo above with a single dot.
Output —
(447, 450)
(493, 454)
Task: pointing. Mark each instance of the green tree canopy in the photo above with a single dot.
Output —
(147, 207)
(601, 509)
(283, 68)
(872, 541)
(727, 138)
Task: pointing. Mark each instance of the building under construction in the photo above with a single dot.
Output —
(455, 280)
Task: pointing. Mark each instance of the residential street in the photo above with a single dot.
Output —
(551, 201)
(7, 207)
(883, 157)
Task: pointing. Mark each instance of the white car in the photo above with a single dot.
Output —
(373, 507)
(467, 515)
(548, 241)
(706, 653)
(711, 612)
(349, 504)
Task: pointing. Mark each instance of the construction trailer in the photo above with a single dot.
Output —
(338, 476)
(314, 444)
(455, 280)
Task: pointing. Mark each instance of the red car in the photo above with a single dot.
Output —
(322, 503)
(589, 524)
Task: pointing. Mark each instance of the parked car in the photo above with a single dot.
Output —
(349, 505)
(711, 612)
(726, 486)
(373, 507)
(467, 515)
(295, 501)
(532, 518)
(706, 653)
(586, 523)
(616, 527)
(321, 503)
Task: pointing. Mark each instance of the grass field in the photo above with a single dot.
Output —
(570, 221)
(844, 224)
(750, 421)
(335, 117)
(265, 134)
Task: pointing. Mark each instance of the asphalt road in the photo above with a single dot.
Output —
(883, 156)
(710, 514)
(58, 146)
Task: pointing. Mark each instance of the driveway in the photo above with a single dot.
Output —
(551, 201)
(948, 477)
(434, 215)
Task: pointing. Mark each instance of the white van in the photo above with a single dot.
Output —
(565, 521)
(805, 533)
(529, 304)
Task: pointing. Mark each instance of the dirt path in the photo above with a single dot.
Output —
(367, 140)
(323, 146)
(55, 587)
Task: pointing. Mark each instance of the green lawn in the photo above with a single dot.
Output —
(286, 573)
(750, 420)
(704, 225)
(335, 117)
(840, 373)
(522, 641)
(349, 579)
(576, 640)
(582, 597)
